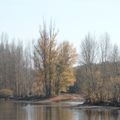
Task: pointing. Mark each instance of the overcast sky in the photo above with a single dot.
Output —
(74, 18)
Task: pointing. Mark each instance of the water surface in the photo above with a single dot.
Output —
(18, 111)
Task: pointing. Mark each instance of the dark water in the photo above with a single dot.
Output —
(15, 111)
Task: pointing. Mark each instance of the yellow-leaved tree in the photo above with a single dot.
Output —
(53, 64)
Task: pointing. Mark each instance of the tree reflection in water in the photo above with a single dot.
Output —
(17, 111)
(101, 115)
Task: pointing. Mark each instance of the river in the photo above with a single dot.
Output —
(18, 111)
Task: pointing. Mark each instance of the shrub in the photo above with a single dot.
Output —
(6, 93)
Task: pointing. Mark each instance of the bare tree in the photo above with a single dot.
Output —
(104, 68)
(88, 60)
(45, 58)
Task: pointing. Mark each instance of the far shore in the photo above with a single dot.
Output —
(67, 100)
(52, 100)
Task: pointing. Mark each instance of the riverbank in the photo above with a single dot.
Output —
(109, 103)
(66, 99)
(55, 99)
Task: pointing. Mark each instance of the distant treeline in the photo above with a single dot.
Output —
(47, 71)
(16, 73)
(50, 68)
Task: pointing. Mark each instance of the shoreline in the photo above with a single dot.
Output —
(65, 104)
(73, 100)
